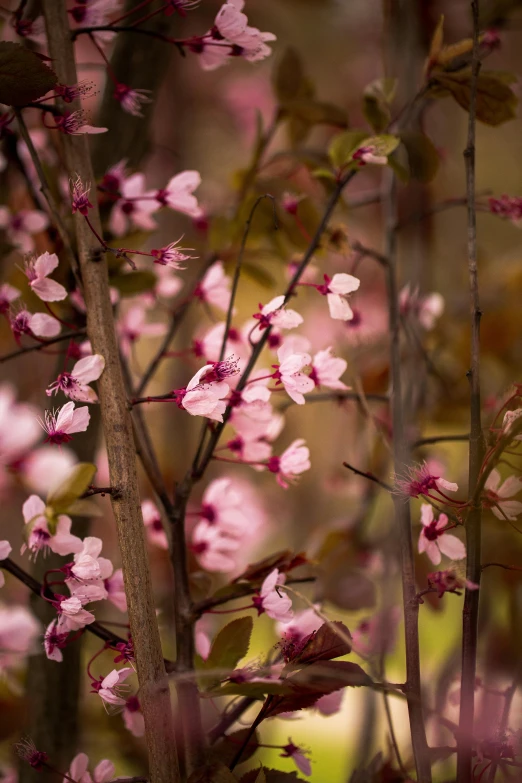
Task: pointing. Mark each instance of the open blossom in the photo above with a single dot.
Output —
(131, 100)
(19, 630)
(79, 770)
(20, 227)
(336, 289)
(72, 613)
(80, 196)
(292, 462)
(110, 687)
(132, 325)
(298, 756)
(214, 289)
(39, 537)
(377, 635)
(74, 124)
(420, 482)
(276, 314)
(203, 395)
(61, 425)
(214, 549)
(153, 524)
(87, 562)
(39, 324)
(115, 588)
(19, 430)
(224, 506)
(327, 370)
(8, 293)
(367, 154)
(178, 194)
(496, 494)
(171, 255)
(275, 604)
(231, 27)
(133, 717)
(74, 384)
(209, 345)
(55, 639)
(132, 210)
(434, 541)
(289, 373)
(5, 551)
(37, 272)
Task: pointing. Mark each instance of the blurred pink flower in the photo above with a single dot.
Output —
(8, 294)
(213, 549)
(153, 524)
(79, 772)
(132, 210)
(496, 495)
(434, 541)
(298, 756)
(133, 717)
(178, 194)
(131, 326)
(19, 630)
(292, 462)
(214, 289)
(5, 551)
(276, 605)
(20, 227)
(327, 369)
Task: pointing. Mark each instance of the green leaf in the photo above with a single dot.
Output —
(230, 645)
(212, 773)
(84, 508)
(376, 102)
(76, 483)
(133, 282)
(496, 102)
(324, 174)
(423, 158)
(331, 640)
(384, 144)
(288, 76)
(344, 145)
(23, 75)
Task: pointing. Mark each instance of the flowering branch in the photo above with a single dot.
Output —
(44, 344)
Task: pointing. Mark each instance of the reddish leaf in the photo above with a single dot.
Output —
(227, 748)
(325, 644)
(213, 773)
(271, 776)
(23, 75)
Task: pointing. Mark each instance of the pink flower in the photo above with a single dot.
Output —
(224, 506)
(420, 481)
(378, 634)
(330, 703)
(276, 314)
(496, 494)
(178, 194)
(19, 429)
(74, 124)
(153, 524)
(336, 289)
(213, 549)
(133, 717)
(300, 626)
(248, 42)
(116, 590)
(131, 211)
(19, 631)
(327, 369)
(214, 289)
(131, 100)
(55, 640)
(171, 255)
(277, 605)
(292, 462)
(45, 468)
(74, 384)
(434, 541)
(449, 582)
(167, 284)
(426, 309)
(39, 324)
(79, 771)
(204, 398)
(209, 346)
(61, 425)
(132, 326)
(96, 13)
(297, 755)
(111, 686)
(508, 207)
(73, 615)
(39, 536)
(367, 154)
(8, 294)
(20, 227)
(87, 563)
(289, 373)
(5, 551)
(80, 196)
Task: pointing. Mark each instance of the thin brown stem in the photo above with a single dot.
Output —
(470, 610)
(369, 476)
(40, 346)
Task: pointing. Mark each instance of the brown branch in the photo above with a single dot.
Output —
(117, 427)
(439, 439)
(369, 476)
(470, 609)
(40, 346)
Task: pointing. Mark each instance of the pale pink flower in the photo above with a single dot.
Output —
(116, 590)
(131, 100)
(276, 314)
(44, 468)
(96, 13)
(19, 630)
(87, 562)
(111, 686)
(426, 309)
(75, 124)
(74, 384)
(79, 770)
(214, 289)
(297, 755)
(251, 449)
(178, 194)
(377, 635)
(153, 524)
(202, 639)
(167, 283)
(204, 398)
(88, 591)
(224, 506)
(114, 177)
(449, 581)
(172, 255)
(367, 154)
(330, 703)
(131, 211)
(39, 536)
(214, 550)
(39, 324)
(55, 639)
(133, 717)
(19, 428)
(5, 551)
(8, 294)
(73, 615)
(21, 226)
(292, 462)
(434, 541)
(420, 481)
(131, 326)
(327, 370)
(299, 628)
(248, 42)
(496, 494)
(510, 417)
(61, 425)
(336, 289)
(289, 373)
(275, 604)
(210, 344)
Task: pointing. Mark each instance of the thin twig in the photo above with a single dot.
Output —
(40, 346)
(368, 476)
(470, 609)
(439, 439)
(336, 396)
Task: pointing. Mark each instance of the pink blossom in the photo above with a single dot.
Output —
(426, 309)
(202, 639)
(74, 384)
(8, 294)
(131, 211)
(434, 541)
(87, 591)
(167, 284)
(336, 289)
(277, 605)
(366, 154)
(133, 717)
(87, 563)
(40, 536)
(153, 524)
(73, 615)
(289, 373)
(80, 196)
(509, 420)
(178, 194)
(327, 369)
(46, 467)
(131, 100)
(420, 481)
(214, 289)
(449, 582)
(19, 429)
(74, 124)
(20, 227)
(248, 42)
(378, 634)
(213, 549)
(204, 398)
(114, 177)
(276, 314)
(330, 703)
(116, 590)
(297, 755)
(132, 326)
(496, 494)
(292, 462)
(508, 207)
(96, 13)
(225, 507)
(55, 640)
(61, 425)
(111, 686)
(19, 630)
(171, 255)
(5, 551)
(210, 344)
(299, 627)
(78, 771)
(39, 324)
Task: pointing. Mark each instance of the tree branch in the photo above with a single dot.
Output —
(40, 346)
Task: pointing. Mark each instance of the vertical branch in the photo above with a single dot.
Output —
(154, 689)
(476, 449)
(402, 507)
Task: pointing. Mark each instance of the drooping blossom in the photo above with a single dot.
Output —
(434, 541)
(214, 550)
(132, 326)
(131, 210)
(74, 123)
(298, 756)
(131, 100)
(133, 717)
(178, 194)
(74, 384)
(5, 551)
(276, 314)
(231, 27)
(289, 373)
(295, 633)
(55, 639)
(19, 631)
(80, 196)
(171, 255)
(37, 325)
(71, 92)
(21, 226)
(39, 536)
(61, 425)
(449, 581)
(292, 462)
(96, 13)
(153, 524)
(204, 396)
(88, 564)
(72, 614)
(29, 753)
(496, 494)
(214, 289)
(336, 289)
(425, 309)
(275, 604)
(111, 687)
(79, 770)
(8, 293)
(327, 370)
(420, 482)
